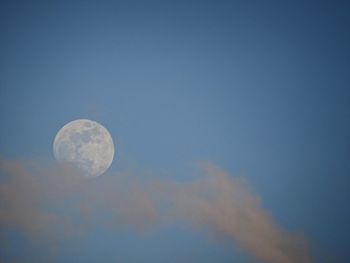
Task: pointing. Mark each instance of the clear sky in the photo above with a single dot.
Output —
(260, 88)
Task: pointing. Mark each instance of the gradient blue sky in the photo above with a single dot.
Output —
(261, 88)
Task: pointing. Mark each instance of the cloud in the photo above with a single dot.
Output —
(51, 203)
(227, 207)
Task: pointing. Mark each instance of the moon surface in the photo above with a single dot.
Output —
(86, 144)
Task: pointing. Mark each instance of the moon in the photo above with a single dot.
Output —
(85, 144)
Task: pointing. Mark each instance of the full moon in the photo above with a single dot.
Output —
(85, 144)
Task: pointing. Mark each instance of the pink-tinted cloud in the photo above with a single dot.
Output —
(51, 203)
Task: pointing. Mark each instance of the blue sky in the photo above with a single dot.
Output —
(259, 88)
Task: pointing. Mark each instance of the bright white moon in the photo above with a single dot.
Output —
(85, 144)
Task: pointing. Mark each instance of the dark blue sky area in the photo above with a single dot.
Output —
(260, 88)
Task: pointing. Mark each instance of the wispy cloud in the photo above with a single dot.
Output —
(52, 203)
